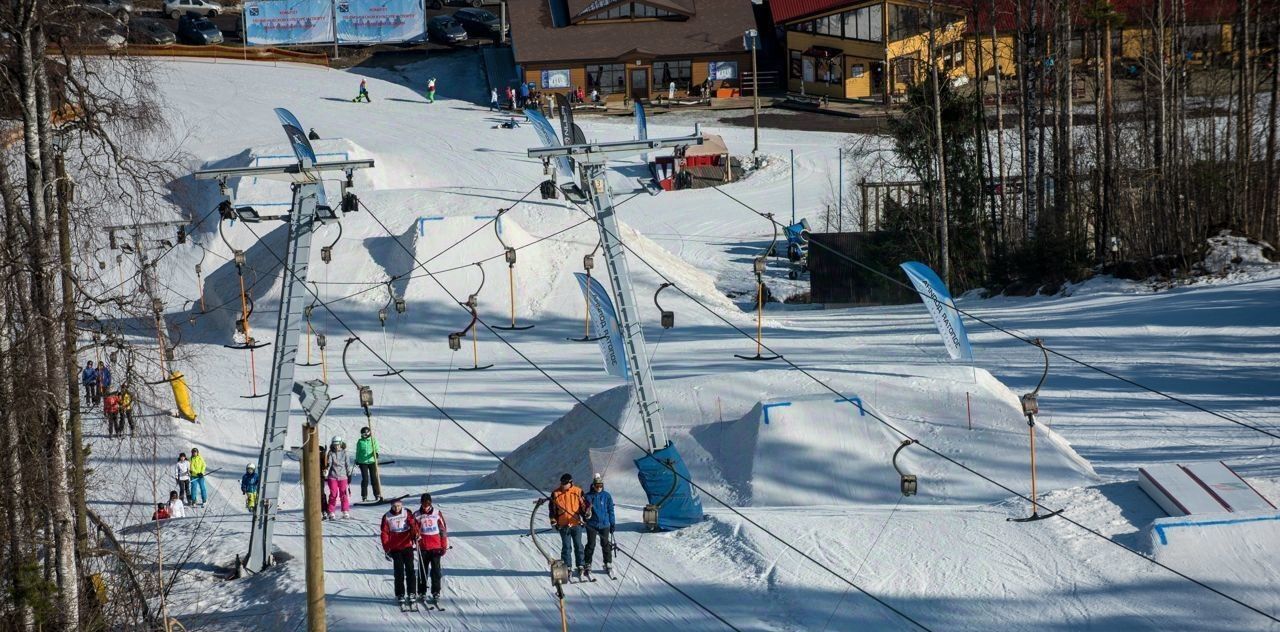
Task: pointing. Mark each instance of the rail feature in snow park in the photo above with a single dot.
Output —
(662, 464)
(308, 208)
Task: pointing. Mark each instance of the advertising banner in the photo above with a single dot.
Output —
(941, 308)
(285, 22)
(605, 321)
(373, 21)
(547, 134)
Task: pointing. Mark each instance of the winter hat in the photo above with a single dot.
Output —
(566, 478)
(598, 479)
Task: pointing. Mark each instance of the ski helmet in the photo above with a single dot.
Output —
(336, 440)
(251, 466)
(566, 478)
(597, 480)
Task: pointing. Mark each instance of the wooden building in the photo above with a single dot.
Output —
(632, 48)
(859, 49)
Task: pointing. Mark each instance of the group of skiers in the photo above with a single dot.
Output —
(571, 512)
(117, 405)
(363, 94)
(423, 531)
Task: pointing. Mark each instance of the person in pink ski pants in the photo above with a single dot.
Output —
(338, 477)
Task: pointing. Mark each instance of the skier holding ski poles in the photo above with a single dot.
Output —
(399, 533)
(433, 541)
(249, 486)
(367, 461)
(568, 511)
(199, 493)
(182, 473)
(599, 526)
(89, 380)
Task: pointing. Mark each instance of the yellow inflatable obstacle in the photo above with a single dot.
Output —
(182, 396)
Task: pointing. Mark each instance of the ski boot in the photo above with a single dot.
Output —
(586, 574)
(404, 604)
(577, 574)
(413, 602)
(608, 570)
(435, 602)
(346, 515)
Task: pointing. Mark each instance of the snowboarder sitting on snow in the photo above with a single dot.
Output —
(161, 512)
(510, 124)
(568, 511)
(433, 541)
(249, 486)
(338, 476)
(599, 525)
(364, 93)
(399, 533)
(89, 380)
(367, 461)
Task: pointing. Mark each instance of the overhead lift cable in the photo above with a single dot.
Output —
(674, 471)
(1016, 336)
(933, 451)
(502, 461)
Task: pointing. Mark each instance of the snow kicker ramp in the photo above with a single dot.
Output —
(775, 438)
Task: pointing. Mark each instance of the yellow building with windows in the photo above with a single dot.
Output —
(866, 50)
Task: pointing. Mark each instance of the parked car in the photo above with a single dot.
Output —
(150, 31)
(178, 8)
(439, 4)
(198, 30)
(118, 9)
(477, 21)
(105, 35)
(445, 29)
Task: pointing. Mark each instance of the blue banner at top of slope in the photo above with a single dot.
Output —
(605, 320)
(547, 134)
(941, 308)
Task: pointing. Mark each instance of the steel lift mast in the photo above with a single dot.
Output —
(593, 185)
(309, 207)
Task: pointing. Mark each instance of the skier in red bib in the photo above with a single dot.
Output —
(433, 541)
(399, 534)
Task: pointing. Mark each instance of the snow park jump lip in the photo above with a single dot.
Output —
(756, 453)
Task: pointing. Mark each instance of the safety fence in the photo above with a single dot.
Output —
(214, 52)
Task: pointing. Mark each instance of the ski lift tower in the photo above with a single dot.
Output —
(309, 207)
(662, 472)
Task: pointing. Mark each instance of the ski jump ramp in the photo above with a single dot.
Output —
(1210, 487)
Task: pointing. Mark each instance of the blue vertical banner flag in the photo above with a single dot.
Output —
(642, 128)
(943, 310)
(547, 134)
(605, 320)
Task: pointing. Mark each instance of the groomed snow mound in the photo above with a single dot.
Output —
(1233, 551)
(814, 448)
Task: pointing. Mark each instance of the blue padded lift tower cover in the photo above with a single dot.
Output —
(684, 507)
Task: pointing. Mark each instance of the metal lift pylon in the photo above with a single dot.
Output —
(309, 207)
(593, 186)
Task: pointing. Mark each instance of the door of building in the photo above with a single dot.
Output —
(640, 84)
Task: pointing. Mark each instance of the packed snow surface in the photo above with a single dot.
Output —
(818, 475)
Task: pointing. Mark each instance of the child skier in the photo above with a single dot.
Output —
(161, 512)
(182, 472)
(433, 541)
(367, 461)
(338, 476)
(126, 406)
(493, 99)
(431, 90)
(89, 380)
(364, 93)
(568, 509)
(199, 493)
(177, 509)
(599, 525)
(249, 486)
(104, 380)
(399, 533)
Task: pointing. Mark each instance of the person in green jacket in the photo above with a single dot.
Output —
(199, 493)
(367, 460)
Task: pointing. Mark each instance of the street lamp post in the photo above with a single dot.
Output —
(752, 41)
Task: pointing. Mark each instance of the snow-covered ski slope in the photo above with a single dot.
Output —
(950, 562)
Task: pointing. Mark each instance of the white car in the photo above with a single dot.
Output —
(178, 8)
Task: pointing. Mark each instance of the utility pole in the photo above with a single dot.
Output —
(840, 194)
(308, 208)
(752, 39)
(793, 187)
(314, 395)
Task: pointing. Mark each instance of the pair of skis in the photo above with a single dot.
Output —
(411, 605)
(583, 578)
